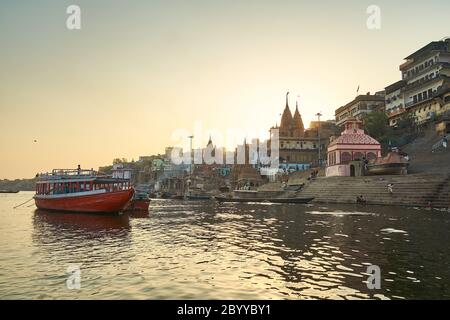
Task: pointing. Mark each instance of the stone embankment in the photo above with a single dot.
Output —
(419, 190)
(428, 183)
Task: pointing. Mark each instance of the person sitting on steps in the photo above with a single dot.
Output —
(360, 200)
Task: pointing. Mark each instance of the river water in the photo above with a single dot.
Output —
(206, 250)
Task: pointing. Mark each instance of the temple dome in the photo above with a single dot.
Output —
(354, 134)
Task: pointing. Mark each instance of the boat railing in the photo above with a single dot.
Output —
(70, 174)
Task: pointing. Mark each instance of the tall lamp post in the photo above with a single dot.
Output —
(318, 136)
(191, 155)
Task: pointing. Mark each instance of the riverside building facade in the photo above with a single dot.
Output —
(359, 107)
(423, 91)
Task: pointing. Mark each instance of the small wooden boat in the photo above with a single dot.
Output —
(266, 200)
(140, 202)
(197, 194)
(198, 197)
(9, 191)
(392, 163)
(82, 191)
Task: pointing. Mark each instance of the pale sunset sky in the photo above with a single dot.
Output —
(139, 70)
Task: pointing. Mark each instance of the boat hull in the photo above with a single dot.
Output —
(387, 169)
(138, 205)
(198, 197)
(108, 202)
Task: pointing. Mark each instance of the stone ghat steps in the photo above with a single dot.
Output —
(410, 190)
(422, 157)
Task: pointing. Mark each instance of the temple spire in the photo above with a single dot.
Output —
(297, 120)
(286, 118)
(210, 140)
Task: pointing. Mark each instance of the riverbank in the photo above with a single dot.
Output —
(17, 184)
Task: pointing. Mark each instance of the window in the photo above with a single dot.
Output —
(430, 92)
(424, 94)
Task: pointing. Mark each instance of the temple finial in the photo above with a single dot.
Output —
(287, 104)
(210, 140)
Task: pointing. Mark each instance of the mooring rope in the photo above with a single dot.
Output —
(23, 203)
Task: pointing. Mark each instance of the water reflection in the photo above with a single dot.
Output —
(59, 224)
(139, 214)
(202, 249)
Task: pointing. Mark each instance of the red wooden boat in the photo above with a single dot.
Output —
(140, 202)
(82, 191)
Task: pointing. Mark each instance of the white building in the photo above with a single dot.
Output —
(120, 172)
(359, 107)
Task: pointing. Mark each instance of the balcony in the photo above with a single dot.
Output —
(396, 112)
(413, 103)
(422, 82)
(420, 72)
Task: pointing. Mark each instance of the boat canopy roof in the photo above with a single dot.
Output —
(74, 175)
(111, 180)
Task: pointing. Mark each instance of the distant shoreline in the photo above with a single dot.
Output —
(18, 184)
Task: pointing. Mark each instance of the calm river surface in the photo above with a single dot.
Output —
(206, 250)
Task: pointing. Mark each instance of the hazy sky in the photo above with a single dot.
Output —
(139, 70)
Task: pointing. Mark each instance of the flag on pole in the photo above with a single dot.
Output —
(357, 90)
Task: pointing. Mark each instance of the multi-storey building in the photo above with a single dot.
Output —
(359, 107)
(425, 82)
(395, 102)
